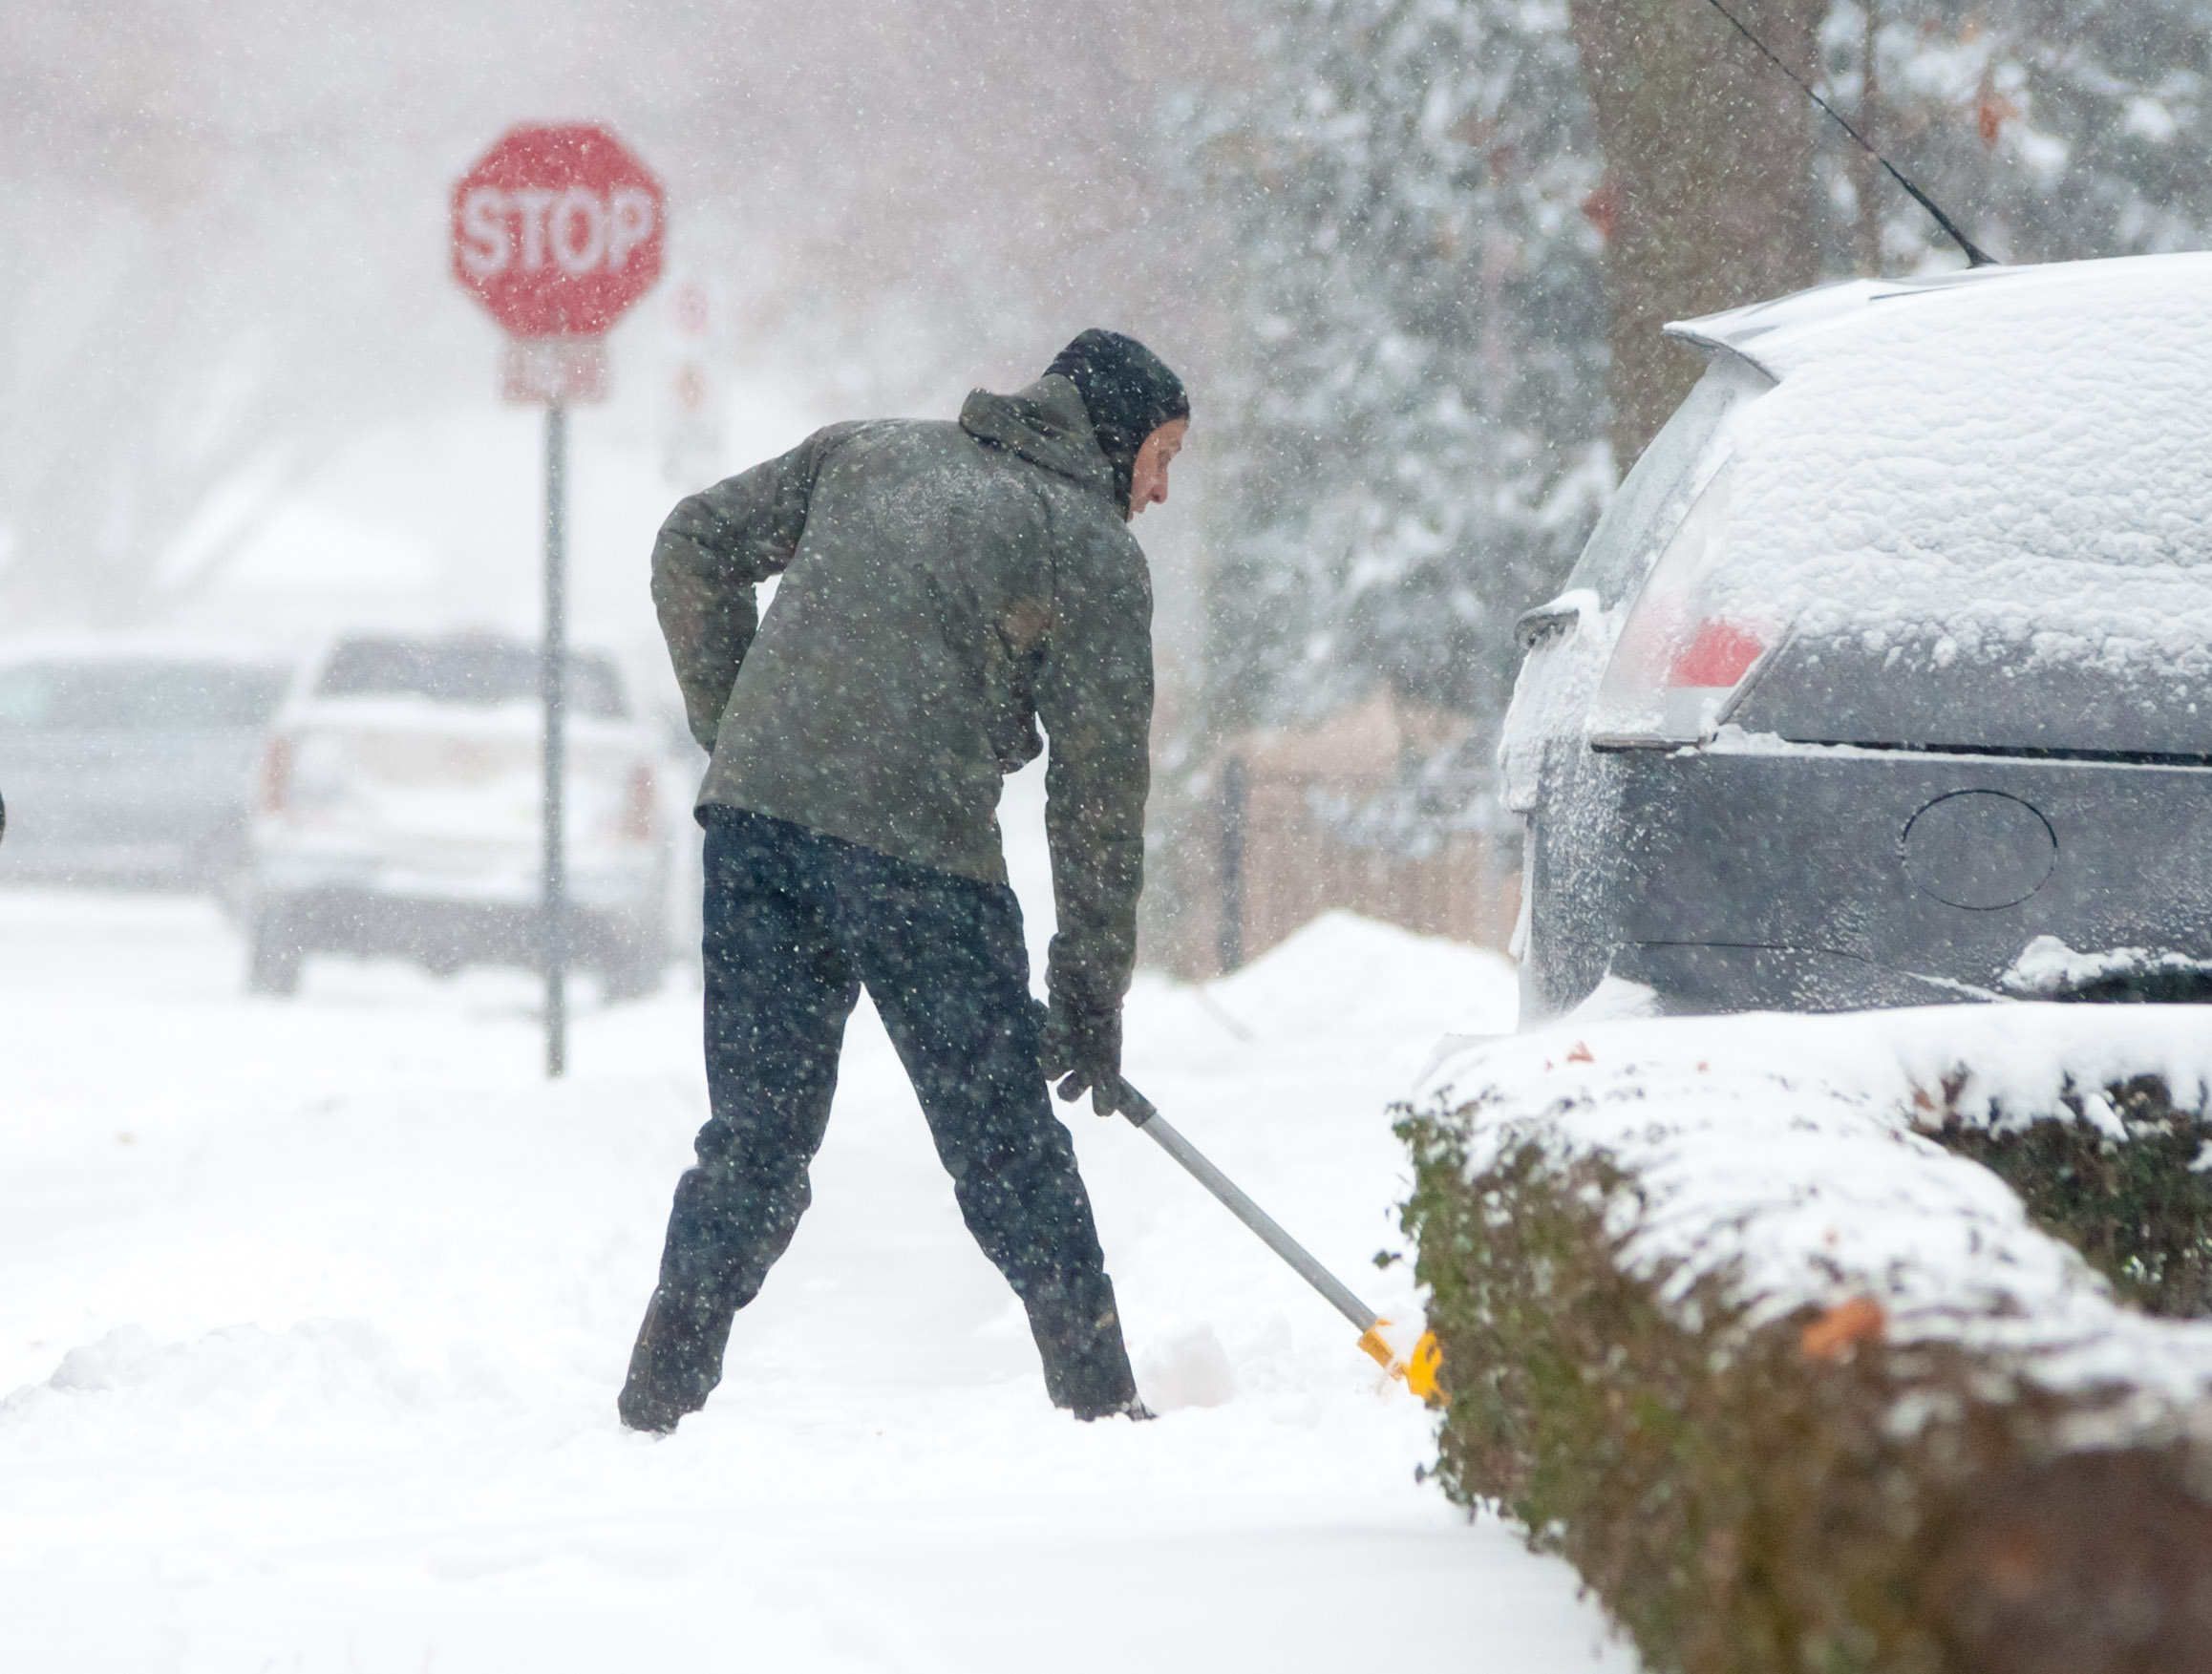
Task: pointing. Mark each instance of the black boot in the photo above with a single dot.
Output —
(677, 1361)
(1079, 1339)
(1132, 1408)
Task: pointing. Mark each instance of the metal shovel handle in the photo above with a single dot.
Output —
(1148, 1120)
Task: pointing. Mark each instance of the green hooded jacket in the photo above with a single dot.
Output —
(945, 587)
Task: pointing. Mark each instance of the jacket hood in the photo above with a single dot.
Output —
(1047, 425)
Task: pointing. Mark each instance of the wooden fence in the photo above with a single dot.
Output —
(1255, 855)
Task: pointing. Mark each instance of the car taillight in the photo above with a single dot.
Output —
(1688, 645)
(1718, 656)
(637, 806)
(276, 775)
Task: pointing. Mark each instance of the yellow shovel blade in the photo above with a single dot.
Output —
(1418, 1371)
(1423, 1370)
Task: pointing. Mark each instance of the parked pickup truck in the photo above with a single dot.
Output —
(400, 814)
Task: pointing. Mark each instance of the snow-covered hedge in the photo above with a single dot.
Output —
(1735, 1318)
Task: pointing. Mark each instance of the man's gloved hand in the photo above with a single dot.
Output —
(1081, 1050)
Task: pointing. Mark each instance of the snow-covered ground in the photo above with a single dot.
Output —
(315, 1312)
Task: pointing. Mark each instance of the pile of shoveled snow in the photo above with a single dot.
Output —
(1783, 1151)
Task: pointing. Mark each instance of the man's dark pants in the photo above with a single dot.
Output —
(796, 923)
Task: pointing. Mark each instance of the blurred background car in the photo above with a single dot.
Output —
(401, 811)
(1886, 678)
(132, 763)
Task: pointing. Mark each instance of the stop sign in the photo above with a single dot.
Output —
(558, 230)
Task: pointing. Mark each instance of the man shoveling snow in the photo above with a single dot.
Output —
(945, 587)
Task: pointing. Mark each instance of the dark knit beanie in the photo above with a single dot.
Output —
(1127, 392)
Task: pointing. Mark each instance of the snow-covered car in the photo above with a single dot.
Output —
(401, 806)
(1886, 677)
(131, 761)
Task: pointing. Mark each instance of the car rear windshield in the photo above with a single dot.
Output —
(1983, 518)
(136, 696)
(479, 674)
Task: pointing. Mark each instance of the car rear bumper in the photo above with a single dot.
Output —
(449, 933)
(1819, 879)
(1705, 977)
(600, 878)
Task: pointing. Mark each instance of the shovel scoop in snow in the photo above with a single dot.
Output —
(1416, 1371)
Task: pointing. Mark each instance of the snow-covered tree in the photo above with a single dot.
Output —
(2050, 129)
(1414, 387)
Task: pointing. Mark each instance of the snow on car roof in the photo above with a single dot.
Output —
(1784, 332)
(2008, 464)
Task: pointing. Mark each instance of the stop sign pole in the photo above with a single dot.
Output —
(556, 230)
(553, 689)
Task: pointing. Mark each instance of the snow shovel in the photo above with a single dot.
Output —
(1418, 1371)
